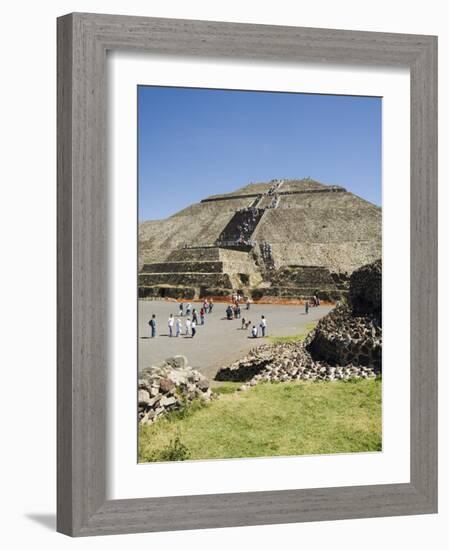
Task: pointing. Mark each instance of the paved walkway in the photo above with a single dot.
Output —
(219, 342)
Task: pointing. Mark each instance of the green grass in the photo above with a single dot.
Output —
(223, 388)
(294, 337)
(290, 418)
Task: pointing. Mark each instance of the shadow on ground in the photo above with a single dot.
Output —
(46, 520)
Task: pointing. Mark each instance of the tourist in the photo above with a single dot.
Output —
(181, 309)
(243, 323)
(211, 305)
(178, 327)
(152, 323)
(263, 325)
(205, 305)
(248, 303)
(193, 328)
(202, 312)
(188, 325)
(317, 301)
(171, 322)
(307, 307)
(254, 331)
(237, 312)
(194, 316)
(188, 309)
(229, 312)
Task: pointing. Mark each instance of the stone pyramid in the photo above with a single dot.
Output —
(285, 239)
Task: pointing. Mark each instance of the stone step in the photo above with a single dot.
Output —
(185, 279)
(184, 267)
(323, 292)
(200, 254)
(241, 226)
(300, 276)
(199, 267)
(167, 291)
(208, 254)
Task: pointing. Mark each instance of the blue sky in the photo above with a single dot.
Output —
(198, 142)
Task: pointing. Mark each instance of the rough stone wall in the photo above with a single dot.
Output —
(342, 339)
(352, 332)
(366, 290)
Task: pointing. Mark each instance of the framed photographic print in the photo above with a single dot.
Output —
(246, 274)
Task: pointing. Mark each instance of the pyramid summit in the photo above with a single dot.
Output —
(282, 239)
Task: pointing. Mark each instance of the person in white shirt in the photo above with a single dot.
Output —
(171, 322)
(254, 331)
(188, 325)
(263, 325)
(178, 327)
(193, 328)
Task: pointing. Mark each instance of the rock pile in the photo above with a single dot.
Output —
(346, 343)
(168, 386)
(287, 362)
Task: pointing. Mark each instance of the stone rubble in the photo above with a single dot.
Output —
(167, 386)
(288, 362)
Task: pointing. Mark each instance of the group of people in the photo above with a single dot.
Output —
(190, 325)
(233, 311)
(208, 306)
(176, 327)
(238, 299)
(254, 330)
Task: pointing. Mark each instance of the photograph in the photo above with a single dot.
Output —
(259, 276)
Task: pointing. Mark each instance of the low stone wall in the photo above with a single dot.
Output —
(169, 386)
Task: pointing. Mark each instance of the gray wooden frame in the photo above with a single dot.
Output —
(83, 40)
